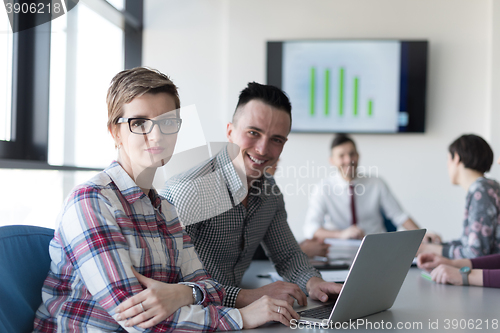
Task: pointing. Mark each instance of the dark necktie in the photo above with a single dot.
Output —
(353, 206)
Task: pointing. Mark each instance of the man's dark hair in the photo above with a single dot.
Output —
(270, 95)
(473, 151)
(340, 139)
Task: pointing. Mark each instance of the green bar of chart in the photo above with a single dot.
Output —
(341, 91)
(312, 91)
(324, 98)
(327, 92)
(355, 95)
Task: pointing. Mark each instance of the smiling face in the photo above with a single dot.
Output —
(345, 158)
(261, 132)
(146, 151)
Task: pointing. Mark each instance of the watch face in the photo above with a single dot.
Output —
(465, 269)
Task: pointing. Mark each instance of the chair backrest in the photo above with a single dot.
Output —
(24, 264)
(389, 226)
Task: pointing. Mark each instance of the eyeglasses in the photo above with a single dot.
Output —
(145, 125)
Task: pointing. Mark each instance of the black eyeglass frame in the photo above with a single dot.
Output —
(155, 122)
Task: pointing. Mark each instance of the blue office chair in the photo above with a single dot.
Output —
(389, 226)
(24, 264)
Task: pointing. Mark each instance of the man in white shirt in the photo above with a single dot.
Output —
(348, 205)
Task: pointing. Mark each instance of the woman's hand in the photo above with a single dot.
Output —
(447, 275)
(429, 261)
(267, 309)
(154, 304)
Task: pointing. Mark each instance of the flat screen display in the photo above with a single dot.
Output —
(352, 86)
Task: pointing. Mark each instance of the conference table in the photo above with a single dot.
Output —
(421, 306)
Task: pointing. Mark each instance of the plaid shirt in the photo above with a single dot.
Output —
(226, 242)
(107, 225)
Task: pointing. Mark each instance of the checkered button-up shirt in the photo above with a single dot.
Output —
(229, 233)
(107, 225)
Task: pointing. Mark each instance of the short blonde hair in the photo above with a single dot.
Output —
(131, 83)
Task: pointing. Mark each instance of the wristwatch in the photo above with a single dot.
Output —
(197, 293)
(465, 271)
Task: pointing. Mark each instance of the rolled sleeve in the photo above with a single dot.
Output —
(290, 262)
(231, 296)
(390, 205)
(316, 212)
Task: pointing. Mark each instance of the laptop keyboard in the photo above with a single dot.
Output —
(321, 312)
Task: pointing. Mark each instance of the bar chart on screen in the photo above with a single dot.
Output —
(340, 95)
(344, 86)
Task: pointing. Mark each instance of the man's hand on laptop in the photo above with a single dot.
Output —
(319, 289)
(429, 261)
(285, 291)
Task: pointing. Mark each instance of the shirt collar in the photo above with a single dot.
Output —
(237, 188)
(125, 184)
(155, 199)
(337, 177)
(266, 186)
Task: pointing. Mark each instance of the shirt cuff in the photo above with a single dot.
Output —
(305, 276)
(235, 314)
(231, 296)
(309, 229)
(486, 262)
(400, 219)
(491, 278)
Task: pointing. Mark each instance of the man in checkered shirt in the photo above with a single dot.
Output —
(227, 222)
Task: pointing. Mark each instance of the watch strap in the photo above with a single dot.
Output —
(465, 275)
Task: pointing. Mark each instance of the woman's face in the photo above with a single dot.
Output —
(139, 152)
(453, 168)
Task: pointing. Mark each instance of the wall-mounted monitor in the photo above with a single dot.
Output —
(352, 86)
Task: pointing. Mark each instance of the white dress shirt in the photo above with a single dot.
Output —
(330, 205)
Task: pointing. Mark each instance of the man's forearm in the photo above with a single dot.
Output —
(246, 297)
(410, 225)
(459, 263)
(323, 233)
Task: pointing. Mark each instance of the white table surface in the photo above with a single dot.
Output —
(422, 304)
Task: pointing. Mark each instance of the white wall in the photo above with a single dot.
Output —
(185, 39)
(213, 48)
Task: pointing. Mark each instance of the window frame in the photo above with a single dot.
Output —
(28, 148)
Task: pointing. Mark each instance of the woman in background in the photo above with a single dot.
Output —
(469, 157)
(120, 259)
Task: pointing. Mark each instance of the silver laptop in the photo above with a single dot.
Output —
(374, 280)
